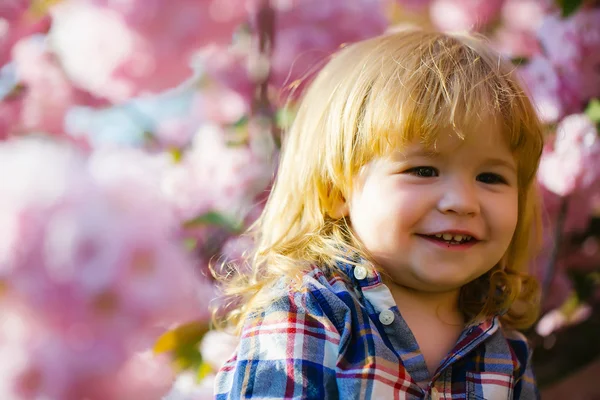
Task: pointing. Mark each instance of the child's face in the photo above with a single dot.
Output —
(468, 188)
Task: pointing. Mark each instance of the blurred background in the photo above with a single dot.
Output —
(139, 138)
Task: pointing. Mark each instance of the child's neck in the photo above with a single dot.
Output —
(441, 305)
(434, 319)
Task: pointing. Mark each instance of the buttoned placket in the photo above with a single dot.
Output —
(399, 334)
(395, 329)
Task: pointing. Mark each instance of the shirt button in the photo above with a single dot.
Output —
(360, 273)
(386, 317)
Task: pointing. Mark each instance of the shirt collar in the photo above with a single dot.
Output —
(356, 267)
(373, 279)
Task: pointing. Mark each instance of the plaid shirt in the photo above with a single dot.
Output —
(342, 336)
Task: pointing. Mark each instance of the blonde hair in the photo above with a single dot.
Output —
(370, 98)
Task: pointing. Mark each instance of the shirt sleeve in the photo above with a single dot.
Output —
(287, 351)
(525, 383)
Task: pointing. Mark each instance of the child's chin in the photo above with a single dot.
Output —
(441, 282)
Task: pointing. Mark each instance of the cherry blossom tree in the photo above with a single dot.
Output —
(138, 140)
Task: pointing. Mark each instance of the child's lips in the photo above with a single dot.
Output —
(440, 242)
(454, 232)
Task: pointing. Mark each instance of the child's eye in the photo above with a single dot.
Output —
(491, 178)
(423, 172)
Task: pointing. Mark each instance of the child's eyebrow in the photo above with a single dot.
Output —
(501, 162)
(491, 161)
(420, 152)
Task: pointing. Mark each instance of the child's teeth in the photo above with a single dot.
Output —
(454, 238)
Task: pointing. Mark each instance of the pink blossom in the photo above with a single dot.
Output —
(462, 15)
(10, 114)
(569, 171)
(581, 204)
(48, 95)
(17, 22)
(230, 67)
(29, 351)
(78, 246)
(217, 103)
(50, 364)
(217, 348)
(175, 132)
(236, 248)
(514, 43)
(123, 49)
(572, 161)
(414, 5)
(308, 31)
(144, 376)
(525, 15)
(551, 96)
(217, 176)
(13, 9)
(558, 319)
(187, 387)
(572, 46)
(305, 35)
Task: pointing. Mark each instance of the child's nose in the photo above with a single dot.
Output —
(459, 197)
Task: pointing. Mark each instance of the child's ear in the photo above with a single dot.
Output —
(339, 208)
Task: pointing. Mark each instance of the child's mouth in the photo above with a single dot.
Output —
(450, 240)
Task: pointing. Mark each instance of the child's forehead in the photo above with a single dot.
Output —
(490, 137)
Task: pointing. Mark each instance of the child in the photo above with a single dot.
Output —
(391, 254)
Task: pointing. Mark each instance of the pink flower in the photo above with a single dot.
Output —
(123, 49)
(461, 15)
(229, 66)
(217, 176)
(144, 376)
(552, 95)
(92, 245)
(558, 319)
(48, 95)
(308, 31)
(572, 46)
(187, 387)
(10, 114)
(305, 35)
(217, 348)
(16, 23)
(514, 43)
(414, 5)
(569, 168)
(13, 9)
(218, 104)
(525, 15)
(572, 162)
(29, 349)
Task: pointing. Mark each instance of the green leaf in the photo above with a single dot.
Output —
(241, 123)
(519, 61)
(176, 154)
(190, 244)
(190, 333)
(203, 370)
(284, 117)
(215, 218)
(187, 356)
(593, 110)
(568, 7)
(182, 343)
